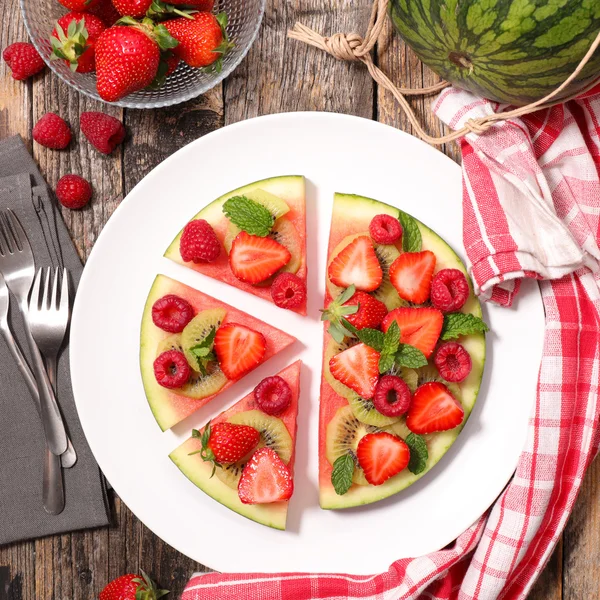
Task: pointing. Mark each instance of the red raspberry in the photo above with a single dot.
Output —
(52, 131)
(449, 290)
(171, 369)
(73, 191)
(172, 313)
(288, 291)
(104, 132)
(453, 362)
(23, 60)
(385, 229)
(199, 242)
(392, 396)
(273, 395)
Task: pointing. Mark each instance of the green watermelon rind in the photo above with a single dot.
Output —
(440, 443)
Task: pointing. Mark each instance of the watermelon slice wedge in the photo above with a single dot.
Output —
(171, 406)
(289, 230)
(340, 410)
(199, 472)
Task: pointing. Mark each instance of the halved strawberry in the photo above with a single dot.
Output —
(253, 259)
(419, 327)
(434, 408)
(357, 264)
(381, 456)
(358, 368)
(411, 275)
(265, 478)
(239, 349)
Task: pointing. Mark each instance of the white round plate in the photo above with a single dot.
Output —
(335, 153)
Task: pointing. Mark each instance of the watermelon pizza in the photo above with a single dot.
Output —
(193, 347)
(403, 352)
(253, 238)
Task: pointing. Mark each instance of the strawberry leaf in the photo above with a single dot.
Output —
(341, 475)
(163, 38)
(418, 453)
(409, 356)
(411, 234)
(457, 324)
(248, 215)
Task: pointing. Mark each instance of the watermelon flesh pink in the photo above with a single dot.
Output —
(167, 406)
(198, 472)
(510, 51)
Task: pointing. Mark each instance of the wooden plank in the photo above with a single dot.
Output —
(549, 586)
(281, 75)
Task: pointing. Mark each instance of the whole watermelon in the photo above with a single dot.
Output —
(514, 51)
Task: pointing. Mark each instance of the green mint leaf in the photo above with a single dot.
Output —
(341, 476)
(248, 215)
(418, 453)
(411, 234)
(391, 339)
(409, 356)
(457, 324)
(386, 362)
(371, 337)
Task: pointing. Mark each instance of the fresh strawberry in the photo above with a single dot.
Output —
(127, 57)
(433, 408)
(411, 275)
(105, 10)
(357, 368)
(200, 5)
(52, 131)
(202, 39)
(132, 587)
(79, 5)
(419, 327)
(265, 479)
(239, 349)
(253, 259)
(357, 264)
(132, 8)
(104, 132)
(226, 443)
(73, 191)
(23, 60)
(73, 40)
(381, 456)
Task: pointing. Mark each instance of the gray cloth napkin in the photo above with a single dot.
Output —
(22, 515)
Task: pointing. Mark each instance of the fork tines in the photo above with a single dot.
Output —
(11, 233)
(42, 297)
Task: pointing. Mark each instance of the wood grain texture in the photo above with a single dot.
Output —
(277, 75)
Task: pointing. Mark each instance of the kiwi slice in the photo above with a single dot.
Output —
(411, 377)
(273, 434)
(386, 254)
(274, 204)
(343, 434)
(197, 329)
(172, 342)
(365, 411)
(332, 349)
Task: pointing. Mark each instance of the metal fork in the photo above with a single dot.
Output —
(18, 268)
(69, 458)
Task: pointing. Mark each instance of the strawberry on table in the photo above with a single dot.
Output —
(127, 57)
(381, 456)
(434, 408)
(202, 39)
(411, 275)
(265, 479)
(132, 587)
(358, 265)
(73, 40)
(357, 368)
(420, 327)
(253, 259)
(23, 60)
(239, 349)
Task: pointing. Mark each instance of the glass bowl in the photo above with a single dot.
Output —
(244, 18)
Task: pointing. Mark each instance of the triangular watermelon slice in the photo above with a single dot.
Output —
(289, 230)
(171, 406)
(199, 472)
(344, 417)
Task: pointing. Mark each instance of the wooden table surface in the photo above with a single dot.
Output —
(278, 75)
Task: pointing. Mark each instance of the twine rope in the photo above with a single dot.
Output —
(354, 47)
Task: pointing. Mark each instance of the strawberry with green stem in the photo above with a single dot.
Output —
(132, 586)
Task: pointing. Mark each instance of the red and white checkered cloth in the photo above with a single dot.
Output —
(531, 202)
